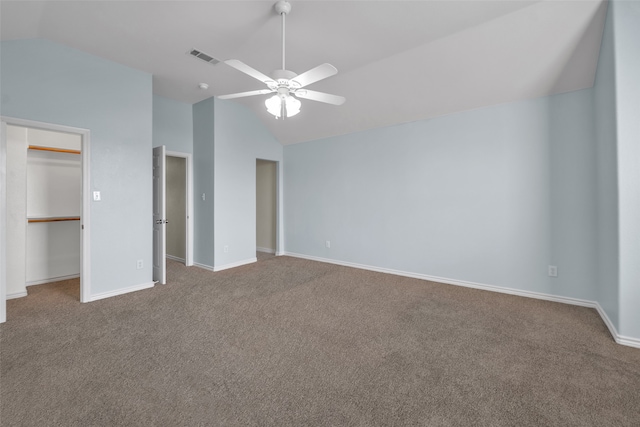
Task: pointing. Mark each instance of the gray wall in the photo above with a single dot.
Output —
(228, 139)
(266, 205)
(48, 82)
(491, 196)
(203, 170)
(176, 206)
(172, 124)
(240, 139)
(626, 18)
(606, 175)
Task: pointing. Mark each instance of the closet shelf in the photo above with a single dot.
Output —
(54, 219)
(57, 150)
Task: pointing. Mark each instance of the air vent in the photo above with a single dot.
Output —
(203, 56)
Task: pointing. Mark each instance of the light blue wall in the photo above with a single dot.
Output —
(203, 174)
(491, 196)
(172, 124)
(240, 139)
(574, 202)
(48, 82)
(626, 18)
(604, 92)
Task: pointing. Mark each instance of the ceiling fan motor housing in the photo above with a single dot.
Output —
(284, 79)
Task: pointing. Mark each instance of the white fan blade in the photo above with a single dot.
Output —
(315, 74)
(320, 97)
(243, 94)
(241, 66)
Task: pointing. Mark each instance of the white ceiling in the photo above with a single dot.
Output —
(398, 61)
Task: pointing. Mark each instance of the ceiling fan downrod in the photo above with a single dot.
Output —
(283, 8)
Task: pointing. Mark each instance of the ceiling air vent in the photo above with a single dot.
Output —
(203, 56)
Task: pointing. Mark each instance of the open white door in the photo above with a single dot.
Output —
(159, 216)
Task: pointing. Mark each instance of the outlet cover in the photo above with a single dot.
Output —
(226, 249)
(328, 243)
(139, 264)
(553, 271)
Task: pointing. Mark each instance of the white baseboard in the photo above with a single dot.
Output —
(203, 266)
(280, 253)
(620, 339)
(53, 279)
(16, 295)
(122, 291)
(175, 258)
(266, 250)
(235, 264)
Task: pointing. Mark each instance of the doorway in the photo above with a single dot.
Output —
(44, 207)
(177, 199)
(266, 208)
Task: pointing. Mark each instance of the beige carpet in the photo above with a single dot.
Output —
(289, 342)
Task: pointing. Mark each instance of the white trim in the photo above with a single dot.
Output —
(203, 266)
(17, 295)
(52, 280)
(189, 194)
(85, 239)
(628, 341)
(620, 339)
(235, 264)
(280, 253)
(122, 291)
(3, 222)
(175, 258)
(85, 242)
(265, 250)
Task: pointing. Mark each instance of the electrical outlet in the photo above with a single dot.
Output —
(204, 197)
(226, 249)
(139, 264)
(553, 271)
(328, 243)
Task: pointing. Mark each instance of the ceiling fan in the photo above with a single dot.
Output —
(287, 85)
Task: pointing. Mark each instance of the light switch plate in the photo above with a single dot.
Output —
(96, 196)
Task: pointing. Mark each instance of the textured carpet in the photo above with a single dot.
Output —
(290, 342)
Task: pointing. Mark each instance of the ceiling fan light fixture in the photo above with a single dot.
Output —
(292, 105)
(274, 105)
(276, 102)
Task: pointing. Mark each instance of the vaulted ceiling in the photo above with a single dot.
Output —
(398, 61)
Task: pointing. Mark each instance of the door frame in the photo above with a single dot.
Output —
(85, 235)
(189, 204)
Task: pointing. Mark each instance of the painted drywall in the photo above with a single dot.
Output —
(16, 211)
(176, 206)
(626, 17)
(606, 188)
(240, 139)
(203, 187)
(172, 124)
(491, 196)
(44, 81)
(266, 205)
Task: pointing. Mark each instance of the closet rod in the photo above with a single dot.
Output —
(57, 150)
(54, 219)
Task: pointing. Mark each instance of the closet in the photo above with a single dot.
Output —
(44, 207)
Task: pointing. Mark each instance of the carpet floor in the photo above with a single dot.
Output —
(291, 342)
